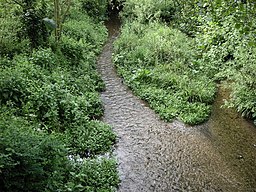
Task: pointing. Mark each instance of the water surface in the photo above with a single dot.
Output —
(164, 157)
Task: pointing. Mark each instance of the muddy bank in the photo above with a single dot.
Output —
(158, 156)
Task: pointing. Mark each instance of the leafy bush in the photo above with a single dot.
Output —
(56, 100)
(72, 49)
(243, 95)
(159, 64)
(93, 35)
(216, 46)
(29, 159)
(94, 175)
(10, 41)
(148, 10)
(44, 58)
(12, 87)
(53, 93)
(89, 138)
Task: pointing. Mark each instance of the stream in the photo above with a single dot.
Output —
(153, 155)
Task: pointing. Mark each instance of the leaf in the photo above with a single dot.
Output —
(238, 25)
(50, 23)
(5, 95)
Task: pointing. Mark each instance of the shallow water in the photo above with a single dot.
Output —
(157, 156)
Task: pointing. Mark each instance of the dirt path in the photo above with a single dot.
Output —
(154, 155)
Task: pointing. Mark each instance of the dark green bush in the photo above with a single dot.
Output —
(54, 98)
(72, 49)
(30, 160)
(10, 41)
(216, 46)
(12, 87)
(95, 8)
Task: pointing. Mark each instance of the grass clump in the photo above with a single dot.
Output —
(159, 64)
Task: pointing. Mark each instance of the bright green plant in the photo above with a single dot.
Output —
(89, 138)
(159, 64)
(243, 96)
(94, 175)
(148, 10)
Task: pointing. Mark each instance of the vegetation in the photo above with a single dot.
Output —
(159, 66)
(173, 53)
(50, 135)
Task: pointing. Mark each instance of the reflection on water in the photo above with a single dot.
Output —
(234, 138)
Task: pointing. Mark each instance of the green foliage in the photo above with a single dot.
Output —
(89, 138)
(44, 58)
(95, 8)
(159, 64)
(10, 41)
(94, 175)
(34, 27)
(216, 46)
(13, 88)
(53, 93)
(55, 100)
(29, 159)
(148, 10)
(220, 30)
(87, 31)
(82, 39)
(225, 43)
(72, 49)
(243, 96)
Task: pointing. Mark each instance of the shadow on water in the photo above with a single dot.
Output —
(234, 138)
(219, 156)
(114, 22)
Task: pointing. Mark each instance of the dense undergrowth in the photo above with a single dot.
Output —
(50, 135)
(174, 53)
(157, 62)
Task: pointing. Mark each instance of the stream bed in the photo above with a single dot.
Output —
(157, 156)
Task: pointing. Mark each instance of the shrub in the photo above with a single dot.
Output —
(243, 96)
(12, 87)
(59, 103)
(148, 10)
(93, 35)
(44, 58)
(10, 41)
(55, 100)
(159, 64)
(89, 138)
(94, 175)
(216, 46)
(95, 8)
(29, 159)
(72, 50)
